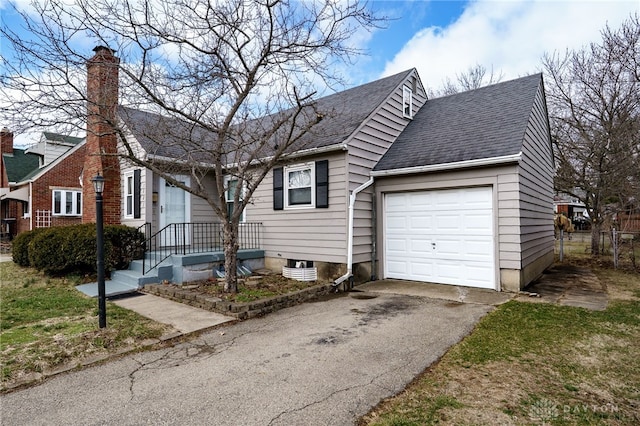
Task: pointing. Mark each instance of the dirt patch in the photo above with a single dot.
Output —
(258, 286)
(568, 284)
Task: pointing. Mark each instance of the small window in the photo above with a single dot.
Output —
(128, 194)
(230, 185)
(67, 203)
(407, 102)
(299, 186)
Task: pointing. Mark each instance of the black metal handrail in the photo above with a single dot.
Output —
(198, 237)
(145, 229)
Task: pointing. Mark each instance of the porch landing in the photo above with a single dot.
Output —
(176, 269)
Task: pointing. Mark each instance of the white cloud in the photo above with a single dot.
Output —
(510, 36)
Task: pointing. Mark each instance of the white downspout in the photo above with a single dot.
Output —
(352, 203)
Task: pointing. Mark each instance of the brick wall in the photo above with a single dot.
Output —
(101, 145)
(64, 175)
(6, 147)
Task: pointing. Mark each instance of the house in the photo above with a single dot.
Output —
(455, 190)
(40, 184)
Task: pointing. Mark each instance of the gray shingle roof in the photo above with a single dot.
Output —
(483, 123)
(343, 112)
(57, 137)
(348, 109)
(165, 136)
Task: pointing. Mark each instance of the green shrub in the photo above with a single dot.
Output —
(72, 249)
(48, 250)
(20, 247)
(126, 243)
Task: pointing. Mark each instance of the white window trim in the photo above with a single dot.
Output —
(407, 100)
(227, 179)
(285, 178)
(128, 175)
(77, 210)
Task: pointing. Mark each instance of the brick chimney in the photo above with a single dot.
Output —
(101, 145)
(6, 147)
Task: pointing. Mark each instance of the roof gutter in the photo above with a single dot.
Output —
(514, 158)
(352, 203)
(302, 153)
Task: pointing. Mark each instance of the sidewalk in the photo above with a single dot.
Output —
(184, 318)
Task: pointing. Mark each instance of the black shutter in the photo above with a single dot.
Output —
(322, 184)
(136, 194)
(278, 189)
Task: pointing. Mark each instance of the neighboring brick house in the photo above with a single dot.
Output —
(49, 183)
(40, 189)
(15, 164)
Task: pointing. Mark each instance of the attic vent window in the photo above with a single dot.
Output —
(407, 102)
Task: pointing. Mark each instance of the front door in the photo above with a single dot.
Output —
(175, 209)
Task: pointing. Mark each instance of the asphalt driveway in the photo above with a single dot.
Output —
(319, 363)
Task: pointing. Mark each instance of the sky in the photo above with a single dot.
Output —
(444, 38)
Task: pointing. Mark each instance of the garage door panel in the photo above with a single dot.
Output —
(421, 269)
(447, 222)
(447, 247)
(397, 222)
(398, 269)
(477, 223)
(418, 200)
(420, 247)
(397, 245)
(396, 204)
(447, 199)
(442, 236)
(421, 222)
(479, 249)
(478, 198)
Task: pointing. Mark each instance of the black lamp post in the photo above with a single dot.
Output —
(98, 185)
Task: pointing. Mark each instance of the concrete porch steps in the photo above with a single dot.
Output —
(176, 269)
(130, 280)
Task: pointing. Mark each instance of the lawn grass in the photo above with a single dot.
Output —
(534, 363)
(45, 323)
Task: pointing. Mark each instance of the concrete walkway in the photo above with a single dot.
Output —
(184, 318)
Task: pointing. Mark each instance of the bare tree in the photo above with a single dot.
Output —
(594, 107)
(474, 78)
(233, 80)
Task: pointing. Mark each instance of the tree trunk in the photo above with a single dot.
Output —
(230, 235)
(595, 237)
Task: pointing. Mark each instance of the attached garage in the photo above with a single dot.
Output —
(443, 236)
(464, 194)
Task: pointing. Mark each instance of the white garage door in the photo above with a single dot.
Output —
(441, 236)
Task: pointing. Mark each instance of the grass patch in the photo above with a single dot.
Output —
(535, 363)
(46, 322)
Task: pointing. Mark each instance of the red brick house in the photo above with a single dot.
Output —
(49, 184)
(36, 194)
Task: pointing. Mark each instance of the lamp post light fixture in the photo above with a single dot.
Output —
(98, 185)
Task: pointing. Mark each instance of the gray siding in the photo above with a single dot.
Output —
(201, 211)
(536, 186)
(366, 147)
(306, 234)
(126, 168)
(503, 179)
